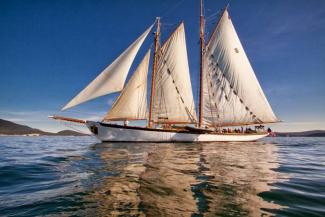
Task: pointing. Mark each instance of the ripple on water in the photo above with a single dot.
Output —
(75, 176)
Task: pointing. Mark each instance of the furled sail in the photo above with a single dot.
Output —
(112, 79)
(232, 94)
(173, 99)
(132, 102)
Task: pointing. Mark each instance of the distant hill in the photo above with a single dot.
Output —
(70, 133)
(312, 133)
(11, 128)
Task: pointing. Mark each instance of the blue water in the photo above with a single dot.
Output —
(77, 176)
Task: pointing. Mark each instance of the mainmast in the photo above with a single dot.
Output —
(154, 68)
(201, 63)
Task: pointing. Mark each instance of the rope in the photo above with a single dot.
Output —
(164, 62)
(173, 8)
(213, 16)
(226, 81)
(71, 125)
(180, 96)
(81, 112)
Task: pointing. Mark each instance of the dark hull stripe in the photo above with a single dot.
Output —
(173, 141)
(175, 131)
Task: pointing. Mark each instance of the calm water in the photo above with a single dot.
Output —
(64, 176)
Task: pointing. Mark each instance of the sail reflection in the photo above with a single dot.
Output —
(117, 194)
(185, 179)
(167, 181)
(234, 174)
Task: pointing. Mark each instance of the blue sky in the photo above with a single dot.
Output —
(49, 50)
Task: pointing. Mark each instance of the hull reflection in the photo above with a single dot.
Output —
(184, 179)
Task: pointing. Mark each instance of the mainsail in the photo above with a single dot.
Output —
(112, 79)
(132, 102)
(232, 94)
(173, 99)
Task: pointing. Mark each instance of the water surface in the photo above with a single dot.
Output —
(65, 176)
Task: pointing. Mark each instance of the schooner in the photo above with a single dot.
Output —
(230, 94)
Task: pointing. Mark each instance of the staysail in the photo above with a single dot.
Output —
(112, 79)
(132, 102)
(232, 94)
(173, 99)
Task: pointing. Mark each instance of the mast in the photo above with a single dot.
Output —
(154, 68)
(201, 63)
(235, 96)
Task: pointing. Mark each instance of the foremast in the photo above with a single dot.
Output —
(154, 69)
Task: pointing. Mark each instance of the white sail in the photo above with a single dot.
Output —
(112, 79)
(173, 98)
(132, 102)
(231, 92)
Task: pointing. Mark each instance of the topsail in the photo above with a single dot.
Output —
(232, 94)
(112, 79)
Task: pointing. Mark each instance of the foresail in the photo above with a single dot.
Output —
(132, 102)
(231, 92)
(173, 99)
(112, 79)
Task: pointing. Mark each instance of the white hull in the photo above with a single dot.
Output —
(111, 133)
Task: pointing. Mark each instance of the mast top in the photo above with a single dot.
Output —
(157, 20)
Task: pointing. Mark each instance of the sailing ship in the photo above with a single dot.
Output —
(230, 94)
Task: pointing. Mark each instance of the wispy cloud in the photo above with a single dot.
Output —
(16, 119)
(304, 22)
(282, 29)
(279, 89)
(94, 118)
(296, 126)
(110, 101)
(23, 116)
(304, 123)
